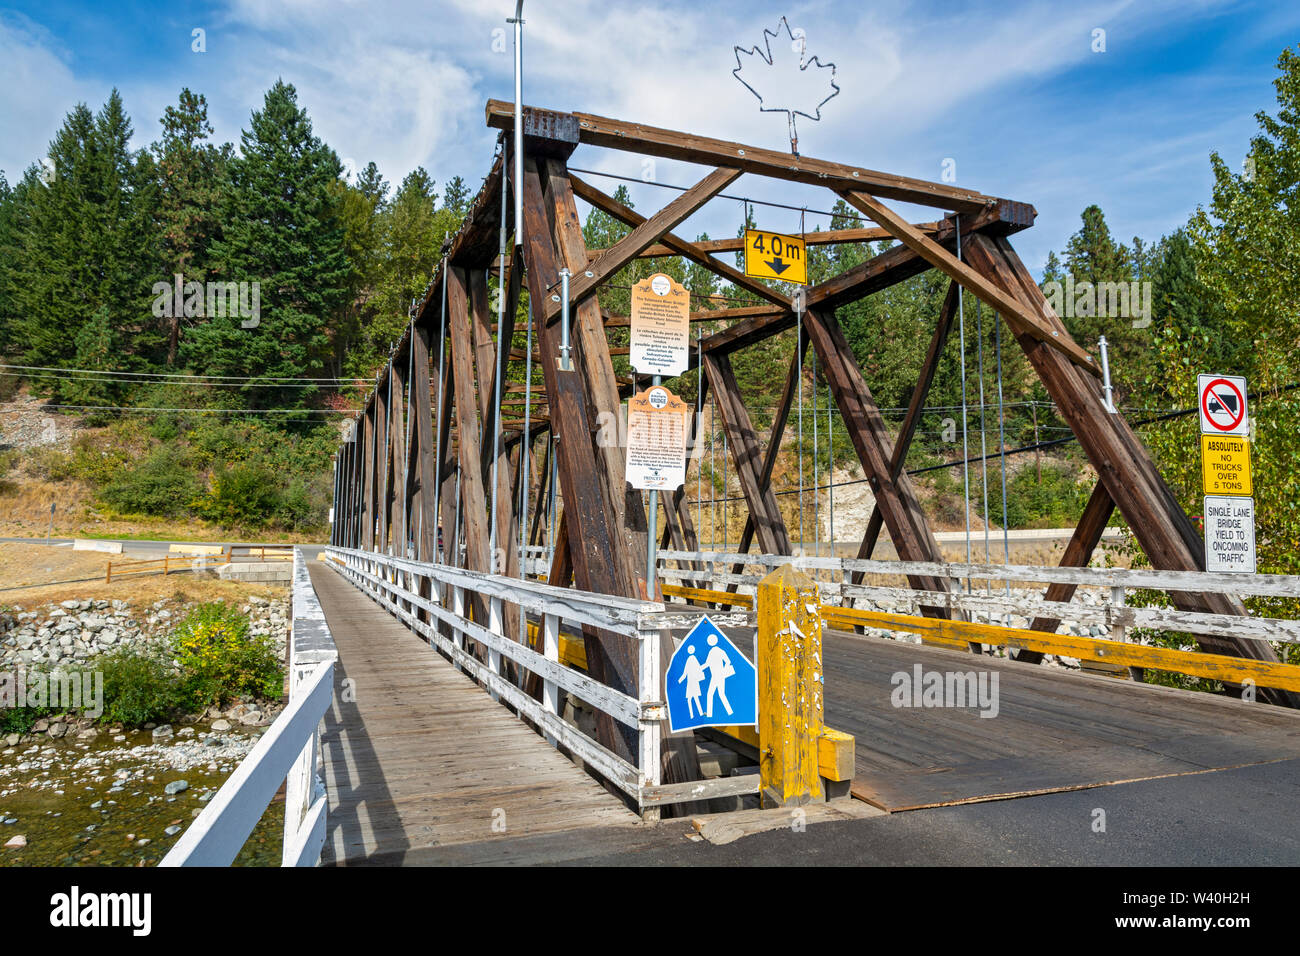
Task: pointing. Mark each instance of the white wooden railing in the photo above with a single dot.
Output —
(396, 584)
(288, 752)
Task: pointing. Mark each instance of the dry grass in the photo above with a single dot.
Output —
(25, 513)
(34, 574)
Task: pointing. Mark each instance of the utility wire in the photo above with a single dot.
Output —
(186, 376)
(757, 202)
(218, 411)
(1050, 443)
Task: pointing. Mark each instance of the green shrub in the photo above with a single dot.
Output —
(100, 457)
(1055, 501)
(19, 720)
(163, 484)
(139, 686)
(241, 495)
(219, 659)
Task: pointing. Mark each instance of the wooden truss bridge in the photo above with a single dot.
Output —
(431, 471)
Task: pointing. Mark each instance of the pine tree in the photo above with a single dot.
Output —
(1102, 271)
(363, 210)
(1092, 255)
(456, 198)
(282, 230)
(411, 230)
(9, 212)
(1052, 269)
(86, 241)
(190, 172)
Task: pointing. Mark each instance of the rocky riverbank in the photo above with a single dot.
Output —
(75, 790)
(74, 631)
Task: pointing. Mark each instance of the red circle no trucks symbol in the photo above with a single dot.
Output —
(1223, 404)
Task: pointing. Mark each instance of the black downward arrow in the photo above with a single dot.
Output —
(777, 265)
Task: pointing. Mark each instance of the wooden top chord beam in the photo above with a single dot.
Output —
(707, 151)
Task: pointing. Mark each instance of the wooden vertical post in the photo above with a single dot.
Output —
(379, 468)
(790, 680)
(398, 465)
(366, 511)
(425, 470)
(736, 424)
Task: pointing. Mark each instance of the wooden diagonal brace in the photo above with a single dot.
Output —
(679, 246)
(913, 417)
(1022, 319)
(774, 443)
(896, 497)
(769, 526)
(646, 234)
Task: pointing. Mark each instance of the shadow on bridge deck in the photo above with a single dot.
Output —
(417, 756)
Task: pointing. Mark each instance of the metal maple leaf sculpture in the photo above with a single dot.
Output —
(794, 82)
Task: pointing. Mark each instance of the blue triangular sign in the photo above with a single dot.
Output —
(709, 682)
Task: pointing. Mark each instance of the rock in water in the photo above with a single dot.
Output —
(162, 732)
(176, 786)
(221, 725)
(16, 843)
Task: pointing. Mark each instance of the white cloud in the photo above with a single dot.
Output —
(39, 90)
(403, 83)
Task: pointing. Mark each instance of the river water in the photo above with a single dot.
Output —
(103, 802)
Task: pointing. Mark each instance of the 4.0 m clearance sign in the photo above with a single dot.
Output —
(771, 255)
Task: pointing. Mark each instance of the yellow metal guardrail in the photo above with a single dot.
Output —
(961, 634)
(727, 598)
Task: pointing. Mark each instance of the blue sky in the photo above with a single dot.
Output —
(1011, 91)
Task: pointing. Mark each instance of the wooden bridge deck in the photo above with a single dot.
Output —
(1054, 730)
(417, 755)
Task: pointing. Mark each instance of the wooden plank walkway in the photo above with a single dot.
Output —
(418, 756)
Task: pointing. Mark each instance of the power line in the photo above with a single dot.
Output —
(216, 411)
(111, 379)
(185, 375)
(1023, 449)
(757, 202)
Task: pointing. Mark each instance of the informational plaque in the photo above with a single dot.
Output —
(661, 327)
(656, 439)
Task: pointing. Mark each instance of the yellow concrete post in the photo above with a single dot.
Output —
(790, 683)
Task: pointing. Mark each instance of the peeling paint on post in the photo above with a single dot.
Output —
(790, 687)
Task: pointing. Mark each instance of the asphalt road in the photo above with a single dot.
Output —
(1243, 817)
(130, 546)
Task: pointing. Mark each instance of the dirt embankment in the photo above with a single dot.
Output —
(32, 574)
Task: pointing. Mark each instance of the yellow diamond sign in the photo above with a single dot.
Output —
(771, 255)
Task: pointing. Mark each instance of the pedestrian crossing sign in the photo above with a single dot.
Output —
(709, 682)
